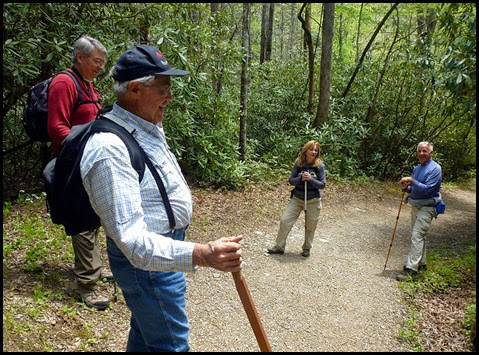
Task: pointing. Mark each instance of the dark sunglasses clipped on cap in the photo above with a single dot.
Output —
(144, 60)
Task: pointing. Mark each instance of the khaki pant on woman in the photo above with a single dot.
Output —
(290, 216)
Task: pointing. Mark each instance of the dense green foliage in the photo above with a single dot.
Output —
(425, 90)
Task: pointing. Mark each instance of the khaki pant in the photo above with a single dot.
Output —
(87, 268)
(290, 216)
(420, 223)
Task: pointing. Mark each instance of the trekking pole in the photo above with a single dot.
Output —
(251, 312)
(115, 292)
(394, 231)
(305, 207)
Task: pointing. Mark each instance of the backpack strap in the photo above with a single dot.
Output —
(79, 89)
(161, 187)
(110, 123)
(77, 85)
(124, 132)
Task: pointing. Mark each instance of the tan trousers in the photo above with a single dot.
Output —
(420, 222)
(290, 216)
(87, 268)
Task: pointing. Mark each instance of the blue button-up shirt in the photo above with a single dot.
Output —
(133, 213)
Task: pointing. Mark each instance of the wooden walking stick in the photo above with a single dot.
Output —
(394, 231)
(251, 312)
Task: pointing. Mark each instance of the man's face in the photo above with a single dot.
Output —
(154, 99)
(423, 154)
(91, 65)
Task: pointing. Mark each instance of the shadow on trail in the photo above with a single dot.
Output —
(288, 257)
(389, 273)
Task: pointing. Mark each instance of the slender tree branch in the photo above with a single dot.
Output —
(348, 86)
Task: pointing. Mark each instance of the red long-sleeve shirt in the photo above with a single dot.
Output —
(62, 96)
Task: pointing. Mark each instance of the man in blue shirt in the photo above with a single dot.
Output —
(423, 188)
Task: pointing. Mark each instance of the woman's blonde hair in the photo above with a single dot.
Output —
(301, 159)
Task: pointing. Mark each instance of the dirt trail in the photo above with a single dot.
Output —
(339, 299)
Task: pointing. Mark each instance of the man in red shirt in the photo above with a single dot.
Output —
(63, 113)
(88, 63)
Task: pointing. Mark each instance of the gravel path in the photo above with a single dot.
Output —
(339, 299)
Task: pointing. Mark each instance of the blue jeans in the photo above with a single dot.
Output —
(156, 300)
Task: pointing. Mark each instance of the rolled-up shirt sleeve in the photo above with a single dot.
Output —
(113, 187)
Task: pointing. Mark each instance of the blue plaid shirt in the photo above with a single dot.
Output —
(132, 213)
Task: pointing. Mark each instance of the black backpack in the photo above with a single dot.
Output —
(67, 199)
(35, 115)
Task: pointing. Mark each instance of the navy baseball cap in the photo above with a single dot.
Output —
(143, 60)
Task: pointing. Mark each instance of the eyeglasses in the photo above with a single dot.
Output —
(99, 62)
(163, 91)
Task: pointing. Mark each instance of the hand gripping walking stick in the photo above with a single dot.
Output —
(251, 312)
(394, 231)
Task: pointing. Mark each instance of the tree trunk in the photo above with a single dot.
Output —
(269, 33)
(244, 81)
(281, 31)
(264, 21)
(320, 26)
(214, 6)
(306, 24)
(216, 71)
(341, 38)
(367, 49)
(326, 55)
(359, 27)
(291, 30)
(426, 23)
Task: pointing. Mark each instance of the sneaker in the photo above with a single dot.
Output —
(305, 253)
(92, 299)
(407, 275)
(275, 250)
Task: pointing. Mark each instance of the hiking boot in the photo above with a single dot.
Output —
(275, 250)
(106, 276)
(92, 299)
(419, 268)
(407, 275)
(305, 253)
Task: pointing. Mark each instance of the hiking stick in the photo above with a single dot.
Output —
(251, 312)
(305, 207)
(394, 231)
